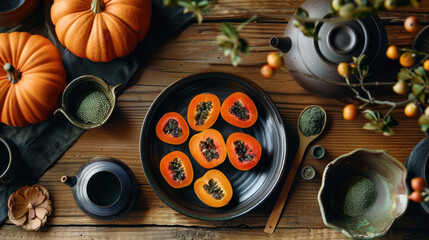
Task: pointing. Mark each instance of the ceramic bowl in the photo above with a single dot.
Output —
(80, 87)
(13, 12)
(10, 161)
(389, 176)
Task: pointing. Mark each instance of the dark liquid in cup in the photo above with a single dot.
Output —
(4, 158)
(7, 5)
(104, 188)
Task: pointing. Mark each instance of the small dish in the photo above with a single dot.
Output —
(80, 87)
(391, 200)
(318, 152)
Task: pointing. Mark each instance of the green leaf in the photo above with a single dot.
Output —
(369, 126)
(229, 30)
(203, 3)
(420, 71)
(199, 17)
(241, 26)
(370, 115)
(186, 5)
(417, 89)
(387, 119)
(360, 59)
(391, 123)
(388, 132)
(243, 45)
(403, 75)
(425, 127)
(421, 97)
(300, 12)
(417, 80)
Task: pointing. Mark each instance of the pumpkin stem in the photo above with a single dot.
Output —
(97, 6)
(13, 74)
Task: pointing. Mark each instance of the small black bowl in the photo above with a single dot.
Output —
(14, 12)
(10, 161)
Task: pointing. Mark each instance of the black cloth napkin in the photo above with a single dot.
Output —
(42, 144)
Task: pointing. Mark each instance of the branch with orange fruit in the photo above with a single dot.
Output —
(412, 80)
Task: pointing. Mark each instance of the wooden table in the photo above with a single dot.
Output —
(193, 51)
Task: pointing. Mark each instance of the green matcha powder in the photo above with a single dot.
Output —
(93, 108)
(357, 196)
(311, 121)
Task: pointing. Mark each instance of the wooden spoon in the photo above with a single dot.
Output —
(303, 144)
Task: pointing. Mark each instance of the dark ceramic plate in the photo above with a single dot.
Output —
(418, 166)
(250, 187)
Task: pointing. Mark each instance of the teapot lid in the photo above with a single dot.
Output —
(340, 42)
(312, 59)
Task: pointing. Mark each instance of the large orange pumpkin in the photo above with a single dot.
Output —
(101, 30)
(31, 80)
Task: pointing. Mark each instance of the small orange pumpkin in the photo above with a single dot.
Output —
(101, 30)
(32, 79)
(208, 148)
(215, 182)
(176, 168)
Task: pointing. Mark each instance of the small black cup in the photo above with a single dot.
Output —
(10, 161)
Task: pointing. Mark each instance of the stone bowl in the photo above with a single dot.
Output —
(389, 176)
(80, 87)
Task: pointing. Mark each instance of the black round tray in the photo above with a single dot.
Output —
(250, 187)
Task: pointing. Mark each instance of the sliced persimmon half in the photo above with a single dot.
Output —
(244, 151)
(208, 148)
(203, 111)
(172, 128)
(239, 110)
(213, 189)
(176, 168)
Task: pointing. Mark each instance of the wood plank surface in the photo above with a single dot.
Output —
(193, 51)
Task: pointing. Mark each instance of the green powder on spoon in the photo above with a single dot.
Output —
(357, 195)
(311, 121)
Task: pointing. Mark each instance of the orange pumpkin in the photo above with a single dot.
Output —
(213, 189)
(172, 128)
(208, 148)
(176, 168)
(239, 110)
(101, 30)
(197, 119)
(244, 151)
(32, 79)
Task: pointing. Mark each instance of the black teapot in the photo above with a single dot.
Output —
(313, 62)
(104, 188)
